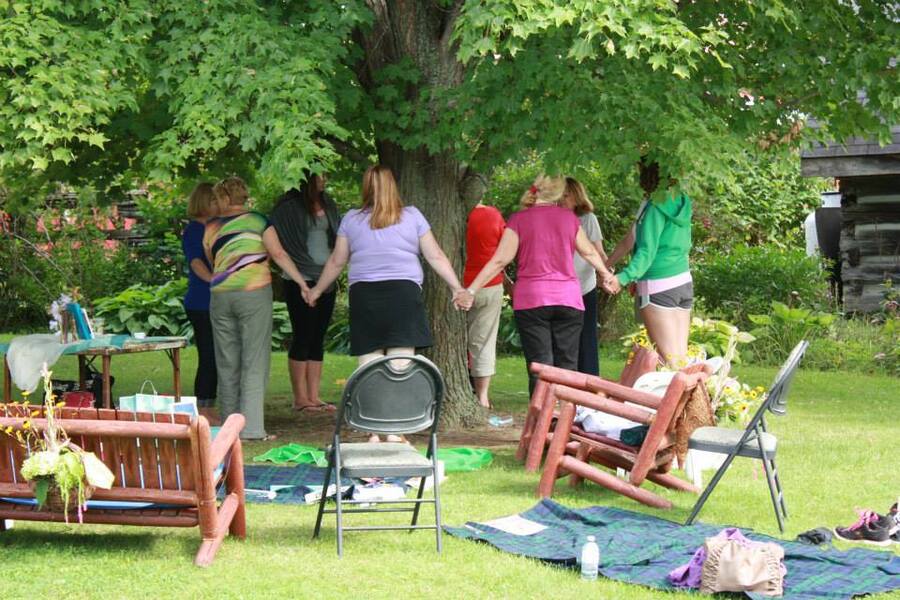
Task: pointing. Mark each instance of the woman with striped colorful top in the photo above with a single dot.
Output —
(239, 243)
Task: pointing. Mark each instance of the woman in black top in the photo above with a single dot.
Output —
(307, 221)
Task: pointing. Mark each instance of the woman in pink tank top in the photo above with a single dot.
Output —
(542, 238)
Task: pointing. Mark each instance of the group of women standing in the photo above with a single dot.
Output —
(554, 296)
(228, 247)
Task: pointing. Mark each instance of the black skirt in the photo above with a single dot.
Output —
(387, 314)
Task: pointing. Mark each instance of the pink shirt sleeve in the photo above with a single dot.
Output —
(513, 222)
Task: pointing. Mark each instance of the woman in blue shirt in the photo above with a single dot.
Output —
(201, 207)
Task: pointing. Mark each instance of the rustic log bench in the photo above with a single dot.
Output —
(167, 469)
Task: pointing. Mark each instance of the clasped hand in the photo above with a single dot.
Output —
(311, 295)
(463, 300)
(610, 284)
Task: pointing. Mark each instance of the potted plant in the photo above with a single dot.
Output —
(60, 473)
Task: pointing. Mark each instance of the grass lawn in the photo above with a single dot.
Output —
(839, 449)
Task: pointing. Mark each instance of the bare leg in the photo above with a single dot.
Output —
(400, 364)
(313, 380)
(369, 357)
(298, 372)
(482, 384)
(668, 329)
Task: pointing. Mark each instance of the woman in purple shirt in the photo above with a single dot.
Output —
(382, 241)
(547, 302)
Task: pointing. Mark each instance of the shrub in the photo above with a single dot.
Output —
(337, 339)
(783, 328)
(153, 310)
(746, 281)
(707, 338)
(759, 198)
(158, 310)
(857, 345)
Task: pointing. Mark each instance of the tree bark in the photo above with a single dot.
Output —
(420, 32)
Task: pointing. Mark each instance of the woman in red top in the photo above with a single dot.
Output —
(483, 232)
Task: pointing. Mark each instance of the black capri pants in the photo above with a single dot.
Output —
(308, 323)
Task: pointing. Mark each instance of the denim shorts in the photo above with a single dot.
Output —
(681, 297)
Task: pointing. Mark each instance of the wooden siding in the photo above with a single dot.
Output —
(870, 240)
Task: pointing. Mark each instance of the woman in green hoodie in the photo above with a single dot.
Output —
(660, 270)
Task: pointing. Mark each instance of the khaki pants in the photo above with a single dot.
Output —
(483, 321)
(242, 328)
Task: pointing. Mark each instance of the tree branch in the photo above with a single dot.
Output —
(349, 151)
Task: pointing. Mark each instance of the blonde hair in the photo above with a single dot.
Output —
(380, 195)
(232, 191)
(544, 189)
(583, 204)
(202, 201)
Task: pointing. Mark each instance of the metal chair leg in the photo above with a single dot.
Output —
(779, 489)
(436, 490)
(415, 517)
(709, 488)
(771, 483)
(324, 495)
(339, 510)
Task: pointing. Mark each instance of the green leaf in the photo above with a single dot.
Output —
(41, 487)
(658, 61)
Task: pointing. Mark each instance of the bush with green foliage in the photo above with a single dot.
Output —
(707, 338)
(152, 310)
(158, 310)
(860, 345)
(784, 327)
(760, 198)
(746, 281)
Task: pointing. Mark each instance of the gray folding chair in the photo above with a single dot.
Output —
(384, 398)
(752, 442)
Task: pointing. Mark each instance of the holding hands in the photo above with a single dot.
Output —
(610, 284)
(463, 299)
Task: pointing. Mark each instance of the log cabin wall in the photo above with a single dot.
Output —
(870, 240)
(869, 181)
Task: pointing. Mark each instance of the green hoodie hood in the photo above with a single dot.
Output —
(662, 241)
(677, 210)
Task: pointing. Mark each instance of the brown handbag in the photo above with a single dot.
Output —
(733, 566)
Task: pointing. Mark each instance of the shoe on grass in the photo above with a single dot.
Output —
(870, 528)
(894, 515)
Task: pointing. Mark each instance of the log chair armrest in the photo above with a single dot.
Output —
(603, 404)
(617, 391)
(225, 439)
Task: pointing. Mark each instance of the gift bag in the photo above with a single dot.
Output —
(158, 403)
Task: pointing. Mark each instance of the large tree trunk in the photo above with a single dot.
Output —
(420, 32)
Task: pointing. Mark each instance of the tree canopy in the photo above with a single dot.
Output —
(98, 91)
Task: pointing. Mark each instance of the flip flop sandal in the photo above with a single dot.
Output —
(316, 408)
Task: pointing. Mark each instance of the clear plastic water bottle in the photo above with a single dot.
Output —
(590, 559)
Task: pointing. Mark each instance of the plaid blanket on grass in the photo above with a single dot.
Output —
(642, 549)
(300, 477)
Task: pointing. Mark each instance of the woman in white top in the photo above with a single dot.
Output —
(576, 199)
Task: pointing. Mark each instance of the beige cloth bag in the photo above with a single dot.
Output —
(731, 566)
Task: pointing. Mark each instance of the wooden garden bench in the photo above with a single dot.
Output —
(536, 431)
(167, 469)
